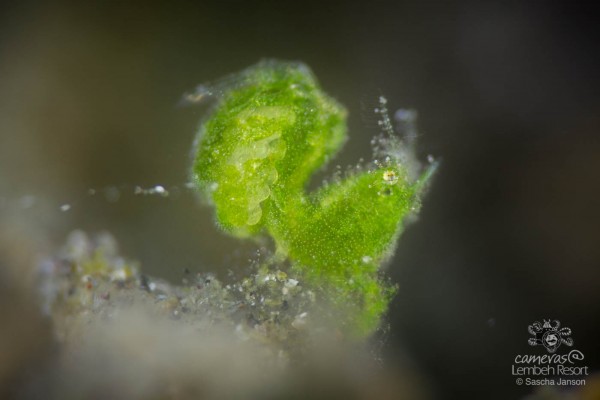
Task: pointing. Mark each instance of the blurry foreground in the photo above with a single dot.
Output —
(87, 324)
(90, 325)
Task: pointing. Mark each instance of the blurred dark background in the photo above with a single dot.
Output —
(508, 99)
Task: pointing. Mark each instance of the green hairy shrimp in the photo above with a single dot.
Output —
(271, 129)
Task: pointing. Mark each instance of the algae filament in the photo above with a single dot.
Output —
(271, 129)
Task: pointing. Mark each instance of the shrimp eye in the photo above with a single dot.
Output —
(390, 177)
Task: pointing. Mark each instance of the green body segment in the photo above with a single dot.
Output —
(272, 128)
(346, 236)
(353, 222)
(270, 131)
